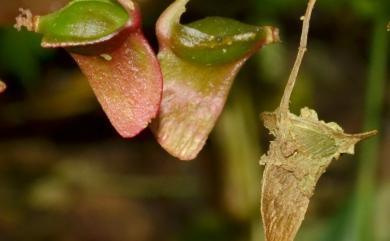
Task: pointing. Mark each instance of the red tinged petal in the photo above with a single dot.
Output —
(127, 82)
(105, 39)
(189, 112)
(199, 62)
(3, 86)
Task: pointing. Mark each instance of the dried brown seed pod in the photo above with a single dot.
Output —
(302, 150)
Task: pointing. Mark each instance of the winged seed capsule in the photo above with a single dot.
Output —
(302, 150)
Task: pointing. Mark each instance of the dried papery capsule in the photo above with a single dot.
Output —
(199, 62)
(302, 150)
(105, 39)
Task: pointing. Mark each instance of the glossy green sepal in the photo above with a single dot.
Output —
(216, 40)
(199, 62)
(83, 22)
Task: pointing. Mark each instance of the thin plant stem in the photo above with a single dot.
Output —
(237, 140)
(284, 103)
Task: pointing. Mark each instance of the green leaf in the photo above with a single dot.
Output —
(199, 63)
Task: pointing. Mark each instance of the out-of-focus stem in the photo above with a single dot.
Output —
(368, 158)
(237, 139)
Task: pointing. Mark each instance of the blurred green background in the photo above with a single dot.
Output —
(65, 175)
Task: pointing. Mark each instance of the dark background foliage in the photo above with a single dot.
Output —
(65, 174)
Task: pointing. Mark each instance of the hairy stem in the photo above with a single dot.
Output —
(284, 104)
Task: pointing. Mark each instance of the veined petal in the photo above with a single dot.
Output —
(199, 62)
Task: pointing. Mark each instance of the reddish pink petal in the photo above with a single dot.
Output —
(3, 86)
(127, 82)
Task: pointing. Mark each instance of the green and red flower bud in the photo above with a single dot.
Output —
(105, 39)
(199, 62)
